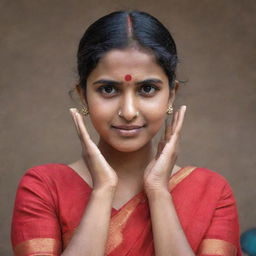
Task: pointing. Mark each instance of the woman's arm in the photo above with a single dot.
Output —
(91, 235)
(169, 238)
(222, 235)
(36, 227)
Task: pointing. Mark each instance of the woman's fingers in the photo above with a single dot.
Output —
(180, 119)
(169, 128)
(82, 128)
(73, 111)
(101, 172)
(176, 123)
(82, 131)
(171, 145)
(172, 128)
(160, 146)
(164, 163)
(175, 120)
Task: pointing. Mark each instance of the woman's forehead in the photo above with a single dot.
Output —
(129, 62)
(128, 56)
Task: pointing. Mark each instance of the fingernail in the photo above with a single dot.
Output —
(72, 110)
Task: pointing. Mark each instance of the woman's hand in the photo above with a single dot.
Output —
(103, 175)
(158, 171)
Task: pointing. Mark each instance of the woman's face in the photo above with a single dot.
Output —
(128, 88)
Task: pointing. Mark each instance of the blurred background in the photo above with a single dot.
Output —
(216, 44)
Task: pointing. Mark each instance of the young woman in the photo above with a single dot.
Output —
(123, 197)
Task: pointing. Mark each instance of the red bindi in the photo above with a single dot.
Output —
(128, 77)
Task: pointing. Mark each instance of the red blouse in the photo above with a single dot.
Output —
(52, 198)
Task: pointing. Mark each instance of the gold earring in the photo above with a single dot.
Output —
(169, 110)
(84, 111)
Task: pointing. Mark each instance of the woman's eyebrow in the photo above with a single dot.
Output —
(107, 82)
(116, 83)
(150, 81)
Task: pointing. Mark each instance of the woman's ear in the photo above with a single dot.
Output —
(81, 94)
(173, 92)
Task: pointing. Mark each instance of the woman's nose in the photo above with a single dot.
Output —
(128, 109)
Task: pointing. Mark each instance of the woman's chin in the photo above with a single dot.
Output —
(127, 148)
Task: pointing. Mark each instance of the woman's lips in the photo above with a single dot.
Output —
(128, 131)
(127, 127)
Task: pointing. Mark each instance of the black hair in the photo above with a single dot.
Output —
(121, 29)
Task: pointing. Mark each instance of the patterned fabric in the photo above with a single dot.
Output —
(52, 198)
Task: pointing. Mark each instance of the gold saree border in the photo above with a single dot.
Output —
(179, 176)
(217, 247)
(116, 226)
(38, 247)
(118, 223)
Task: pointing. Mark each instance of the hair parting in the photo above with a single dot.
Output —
(124, 29)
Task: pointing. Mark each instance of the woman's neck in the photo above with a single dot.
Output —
(127, 164)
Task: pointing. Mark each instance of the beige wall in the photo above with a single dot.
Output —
(216, 41)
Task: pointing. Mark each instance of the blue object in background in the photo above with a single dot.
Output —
(248, 242)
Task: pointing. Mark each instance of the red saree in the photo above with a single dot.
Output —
(51, 199)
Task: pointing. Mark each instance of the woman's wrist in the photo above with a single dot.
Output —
(155, 194)
(104, 191)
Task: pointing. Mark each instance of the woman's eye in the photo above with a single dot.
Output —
(148, 89)
(107, 90)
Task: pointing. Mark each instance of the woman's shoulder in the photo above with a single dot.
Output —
(200, 182)
(49, 172)
(47, 168)
(202, 176)
(211, 176)
(206, 173)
